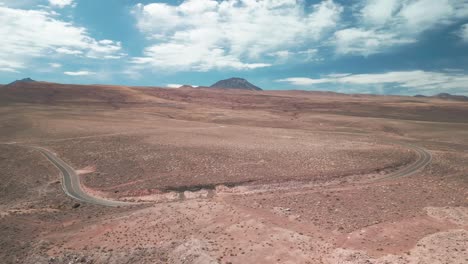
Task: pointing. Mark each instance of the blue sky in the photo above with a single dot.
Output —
(364, 46)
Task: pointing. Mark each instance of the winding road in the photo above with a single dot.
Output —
(71, 182)
(424, 158)
(72, 187)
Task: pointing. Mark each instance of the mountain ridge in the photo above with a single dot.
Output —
(445, 96)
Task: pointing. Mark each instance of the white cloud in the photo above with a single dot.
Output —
(30, 34)
(173, 85)
(67, 51)
(115, 57)
(303, 81)
(204, 34)
(288, 56)
(281, 54)
(384, 24)
(55, 65)
(463, 33)
(181, 56)
(19, 4)
(338, 75)
(7, 69)
(308, 52)
(412, 81)
(421, 15)
(7, 65)
(366, 42)
(79, 73)
(378, 11)
(412, 16)
(61, 3)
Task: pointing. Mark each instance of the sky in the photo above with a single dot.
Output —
(404, 47)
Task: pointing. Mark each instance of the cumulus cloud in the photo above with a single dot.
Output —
(37, 33)
(382, 24)
(413, 81)
(61, 3)
(206, 34)
(378, 12)
(79, 73)
(203, 35)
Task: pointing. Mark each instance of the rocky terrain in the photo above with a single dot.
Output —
(231, 176)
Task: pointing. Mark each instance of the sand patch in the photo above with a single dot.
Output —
(27, 211)
(456, 215)
(158, 197)
(192, 251)
(86, 170)
(393, 237)
(443, 247)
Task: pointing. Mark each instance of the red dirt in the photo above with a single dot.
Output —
(231, 176)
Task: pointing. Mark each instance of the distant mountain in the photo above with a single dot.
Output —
(445, 96)
(186, 86)
(451, 97)
(25, 80)
(236, 83)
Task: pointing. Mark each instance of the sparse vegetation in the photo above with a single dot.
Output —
(231, 176)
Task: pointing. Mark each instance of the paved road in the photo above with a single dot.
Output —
(72, 187)
(71, 182)
(424, 158)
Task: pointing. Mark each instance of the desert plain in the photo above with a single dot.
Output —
(231, 176)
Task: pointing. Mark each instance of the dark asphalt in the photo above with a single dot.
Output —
(71, 182)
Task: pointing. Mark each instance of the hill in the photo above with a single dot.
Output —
(25, 80)
(445, 96)
(235, 83)
(451, 97)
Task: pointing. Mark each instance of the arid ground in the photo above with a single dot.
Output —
(230, 176)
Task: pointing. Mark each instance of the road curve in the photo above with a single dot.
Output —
(72, 187)
(71, 182)
(424, 158)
